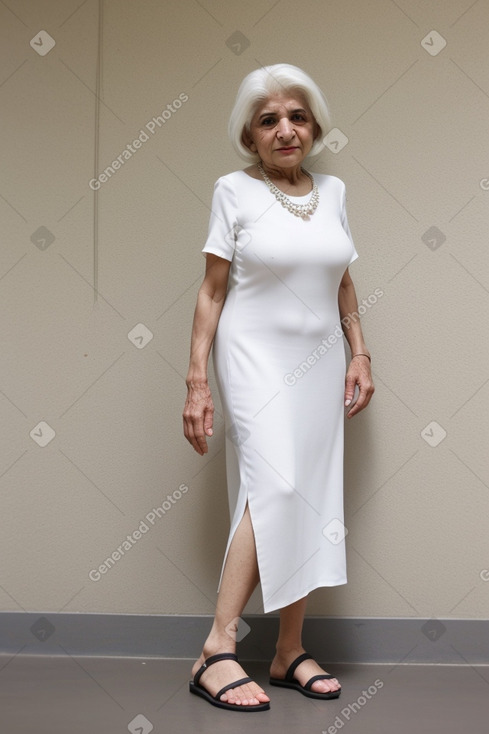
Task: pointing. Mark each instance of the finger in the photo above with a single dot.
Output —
(188, 433)
(192, 435)
(199, 438)
(355, 409)
(199, 431)
(208, 421)
(360, 402)
(363, 400)
(349, 389)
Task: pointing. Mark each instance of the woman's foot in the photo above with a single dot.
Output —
(222, 673)
(304, 671)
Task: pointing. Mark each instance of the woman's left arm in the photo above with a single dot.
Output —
(358, 372)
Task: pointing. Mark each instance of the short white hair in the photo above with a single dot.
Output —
(261, 84)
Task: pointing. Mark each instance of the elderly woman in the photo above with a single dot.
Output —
(275, 303)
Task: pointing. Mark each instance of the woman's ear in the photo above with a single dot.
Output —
(248, 140)
(317, 131)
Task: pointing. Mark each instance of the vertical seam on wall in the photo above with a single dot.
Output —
(98, 85)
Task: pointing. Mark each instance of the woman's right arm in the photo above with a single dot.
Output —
(199, 408)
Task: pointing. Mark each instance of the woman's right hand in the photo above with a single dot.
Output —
(198, 416)
(198, 413)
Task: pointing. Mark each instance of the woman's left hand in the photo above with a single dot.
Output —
(358, 374)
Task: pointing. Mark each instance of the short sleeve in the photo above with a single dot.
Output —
(221, 238)
(344, 222)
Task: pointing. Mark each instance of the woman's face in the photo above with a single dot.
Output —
(282, 130)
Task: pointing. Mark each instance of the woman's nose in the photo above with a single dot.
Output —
(285, 128)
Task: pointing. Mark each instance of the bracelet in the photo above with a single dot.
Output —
(363, 355)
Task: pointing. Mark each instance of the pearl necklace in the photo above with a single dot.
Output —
(299, 210)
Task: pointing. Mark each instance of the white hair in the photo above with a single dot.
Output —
(261, 84)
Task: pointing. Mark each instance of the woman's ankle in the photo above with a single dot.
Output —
(285, 650)
(218, 642)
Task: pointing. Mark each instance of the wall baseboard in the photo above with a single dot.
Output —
(330, 639)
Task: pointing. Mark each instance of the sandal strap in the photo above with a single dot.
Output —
(314, 678)
(289, 676)
(231, 685)
(211, 660)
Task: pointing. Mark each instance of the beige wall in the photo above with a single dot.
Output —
(417, 514)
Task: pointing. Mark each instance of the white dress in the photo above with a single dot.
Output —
(279, 360)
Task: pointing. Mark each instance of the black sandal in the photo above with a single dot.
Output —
(199, 690)
(290, 682)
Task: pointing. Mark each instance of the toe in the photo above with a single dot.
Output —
(245, 695)
(253, 695)
(320, 686)
(329, 685)
(262, 697)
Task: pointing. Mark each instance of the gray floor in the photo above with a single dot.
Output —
(51, 695)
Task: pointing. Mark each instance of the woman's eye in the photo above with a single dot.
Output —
(296, 117)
